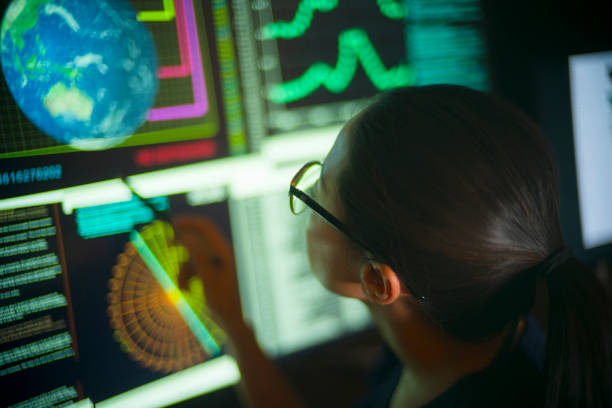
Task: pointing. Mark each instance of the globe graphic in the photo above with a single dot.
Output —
(84, 72)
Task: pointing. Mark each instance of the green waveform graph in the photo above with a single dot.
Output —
(354, 46)
(395, 10)
(302, 19)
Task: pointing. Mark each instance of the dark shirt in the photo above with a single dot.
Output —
(513, 379)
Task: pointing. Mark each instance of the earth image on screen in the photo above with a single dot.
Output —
(84, 72)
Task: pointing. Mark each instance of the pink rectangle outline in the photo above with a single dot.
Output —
(186, 18)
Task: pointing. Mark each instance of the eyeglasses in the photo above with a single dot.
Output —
(304, 180)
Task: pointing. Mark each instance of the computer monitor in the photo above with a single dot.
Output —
(316, 63)
(90, 311)
(591, 106)
(97, 90)
(90, 306)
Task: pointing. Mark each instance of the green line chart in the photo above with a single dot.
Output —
(393, 9)
(354, 46)
(302, 19)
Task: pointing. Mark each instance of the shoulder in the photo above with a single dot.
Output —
(383, 381)
(515, 378)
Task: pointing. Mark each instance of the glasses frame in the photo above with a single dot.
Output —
(326, 215)
(318, 208)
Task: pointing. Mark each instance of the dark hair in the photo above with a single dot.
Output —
(458, 192)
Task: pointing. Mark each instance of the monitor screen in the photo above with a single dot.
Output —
(244, 93)
(591, 102)
(317, 63)
(97, 90)
(90, 306)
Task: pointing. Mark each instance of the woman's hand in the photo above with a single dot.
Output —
(211, 260)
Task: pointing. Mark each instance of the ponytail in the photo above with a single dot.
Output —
(579, 366)
(460, 193)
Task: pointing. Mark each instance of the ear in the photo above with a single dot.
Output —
(380, 284)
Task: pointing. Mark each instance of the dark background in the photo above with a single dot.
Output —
(529, 45)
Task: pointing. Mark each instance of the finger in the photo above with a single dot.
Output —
(219, 249)
(186, 272)
(190, 222)
(195, 246)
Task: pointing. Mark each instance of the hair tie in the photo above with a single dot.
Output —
(553, 261)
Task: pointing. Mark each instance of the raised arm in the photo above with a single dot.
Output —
(263, 384)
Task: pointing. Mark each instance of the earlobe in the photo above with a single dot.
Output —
(380, 284)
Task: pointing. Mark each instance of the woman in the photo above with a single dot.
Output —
(438, 207)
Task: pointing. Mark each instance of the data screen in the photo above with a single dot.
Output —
(154, 84)
(318, 62)
(90, 301)
(95, 91)
(91, 305)
(205, 108)
(591, 98)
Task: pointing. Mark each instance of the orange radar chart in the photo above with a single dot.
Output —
(162, 327)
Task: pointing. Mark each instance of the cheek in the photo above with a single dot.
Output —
(315, 251)
(330, 260)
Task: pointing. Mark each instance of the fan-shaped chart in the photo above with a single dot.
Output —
(160, 326)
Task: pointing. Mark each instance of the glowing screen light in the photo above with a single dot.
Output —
(319, 61)
(170, 336)
(179, 105)
(591, 98)
(84, 73)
